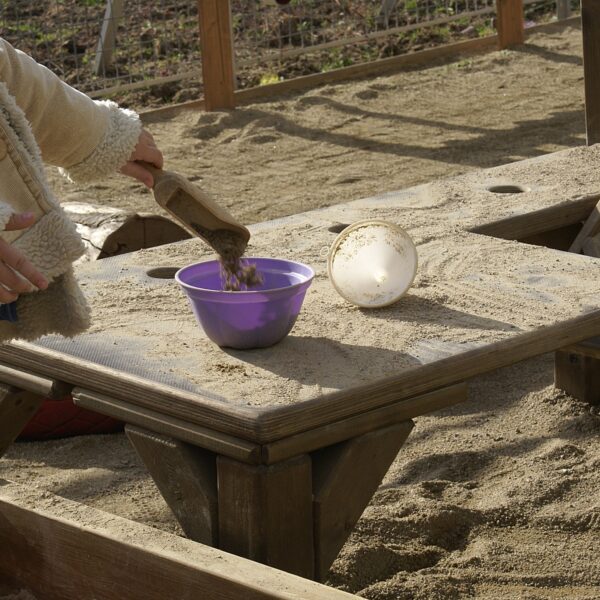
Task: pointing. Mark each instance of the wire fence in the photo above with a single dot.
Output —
(113, 48)
(338, 33)
(102, 46)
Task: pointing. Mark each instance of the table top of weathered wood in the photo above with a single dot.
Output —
(479, 302)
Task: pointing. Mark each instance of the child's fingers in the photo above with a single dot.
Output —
(11, 257)
(138, 172)
(20, 221)
(152, 155)
(11, 280)
(147, 151)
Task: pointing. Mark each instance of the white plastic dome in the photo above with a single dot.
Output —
(372, 263)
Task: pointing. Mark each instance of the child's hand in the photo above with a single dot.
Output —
(16, 272)
(145, 151)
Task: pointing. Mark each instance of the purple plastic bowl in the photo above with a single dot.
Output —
(255, 318)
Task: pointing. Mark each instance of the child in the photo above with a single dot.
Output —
(43, 120)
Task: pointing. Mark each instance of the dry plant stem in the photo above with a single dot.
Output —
(230, 247)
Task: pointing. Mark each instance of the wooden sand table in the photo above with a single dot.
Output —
(292, 441)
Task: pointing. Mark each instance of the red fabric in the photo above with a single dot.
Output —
(61, 418)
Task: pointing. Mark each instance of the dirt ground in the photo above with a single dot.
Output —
(497, 497)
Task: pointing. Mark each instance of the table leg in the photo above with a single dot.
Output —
(265, 512)
(186, 477)
(294, 515)
(16, 408)
(578, 374)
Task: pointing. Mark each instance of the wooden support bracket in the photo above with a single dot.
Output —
(591, 247)
(16, 408)
(590, 228)
(186, 477)
(345, 477)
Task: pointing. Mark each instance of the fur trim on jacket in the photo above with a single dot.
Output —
(52, 244)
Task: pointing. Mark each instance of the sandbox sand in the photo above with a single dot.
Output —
(497, 497)
(341, 142)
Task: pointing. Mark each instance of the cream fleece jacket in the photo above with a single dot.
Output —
(42, 120)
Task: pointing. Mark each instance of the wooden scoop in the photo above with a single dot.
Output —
(195, 210)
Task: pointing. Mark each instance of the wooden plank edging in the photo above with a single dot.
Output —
(362, 423)
(62, 550)
(164, 424)
(216, 414)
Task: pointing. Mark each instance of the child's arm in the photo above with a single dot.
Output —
(87, 138)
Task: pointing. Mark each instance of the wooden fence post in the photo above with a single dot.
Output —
(107, 42)
(563, 9)
(511, 31)
(590, 26)
(216, 42)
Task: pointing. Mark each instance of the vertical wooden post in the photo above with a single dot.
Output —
(216, 43)
(563, 9)
(108, 35)
(345, 477)
(265, 513)
(511, 31)
(590, 26)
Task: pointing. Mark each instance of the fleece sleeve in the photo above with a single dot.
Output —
(87, 139)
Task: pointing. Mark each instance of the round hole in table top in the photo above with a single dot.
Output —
(506, 189)
(338, 227)
(162, 272)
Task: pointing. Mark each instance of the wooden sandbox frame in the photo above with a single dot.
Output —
(63, 550)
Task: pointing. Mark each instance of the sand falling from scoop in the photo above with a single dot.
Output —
(237, 275)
